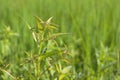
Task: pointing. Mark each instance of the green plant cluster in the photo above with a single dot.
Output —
(84, 45)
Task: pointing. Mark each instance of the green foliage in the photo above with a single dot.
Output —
(43, 62)
(90, 52)
(6, 35)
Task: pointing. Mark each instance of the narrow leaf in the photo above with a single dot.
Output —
(66, 69)
(52, 27)
(49, 20)
(57, 34)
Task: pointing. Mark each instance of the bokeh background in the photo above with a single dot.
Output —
(94, 27)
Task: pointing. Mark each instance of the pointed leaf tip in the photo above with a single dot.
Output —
(49, 20)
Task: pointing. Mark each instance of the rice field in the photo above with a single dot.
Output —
(59, 40)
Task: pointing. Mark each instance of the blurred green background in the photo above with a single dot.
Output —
(94, 25)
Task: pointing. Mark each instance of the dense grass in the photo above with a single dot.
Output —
(93, 45)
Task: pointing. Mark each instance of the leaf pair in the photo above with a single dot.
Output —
(41, 25)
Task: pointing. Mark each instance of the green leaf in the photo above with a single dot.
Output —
(94, 62)
(57, 34)
(52, 27)
(49, 20)
(58, 68)
(66, 69)
(49, 54)
(29, 27)
(40, 23)
(34, 36)
(62, 76)
(39, 26)
(40, 20)
(108, 65)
